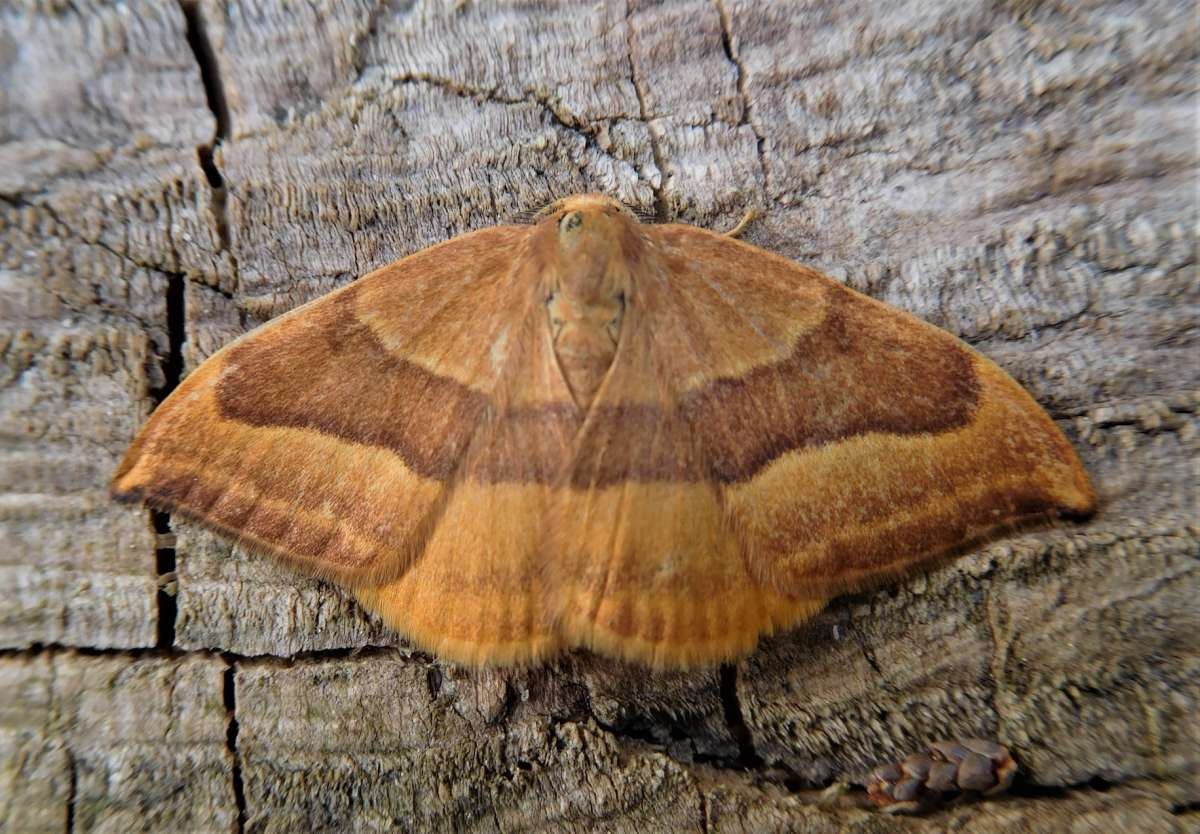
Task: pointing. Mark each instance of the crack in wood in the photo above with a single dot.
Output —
(176, 336)
(164, 564)
(214, 88)
(229, 692)
(735, 58)
(558, 116)
(96, 240)
(1145, 639)
(748, 757)
(164, 553)
(214, 93)
(661, 210)
(72, 792)
(749, 763)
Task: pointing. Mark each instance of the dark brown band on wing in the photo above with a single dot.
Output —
(327, 371)
(864, 369)
(843, 379)
(636, 442)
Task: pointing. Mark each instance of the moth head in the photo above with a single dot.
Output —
(584, 202)
(588, 244)
(589, 223)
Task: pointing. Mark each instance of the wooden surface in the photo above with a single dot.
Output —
(1021, 173)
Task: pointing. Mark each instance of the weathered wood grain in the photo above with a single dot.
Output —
(1022, 174)
(102, 113)
(115, 743)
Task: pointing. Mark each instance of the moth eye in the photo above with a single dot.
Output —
(570, 222)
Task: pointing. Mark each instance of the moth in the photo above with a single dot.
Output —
(654, 441)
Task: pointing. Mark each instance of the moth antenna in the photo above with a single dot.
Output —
(546, 210)
(749, 217)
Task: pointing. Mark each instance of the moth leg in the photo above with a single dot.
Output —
(749, 217)
(947, 767)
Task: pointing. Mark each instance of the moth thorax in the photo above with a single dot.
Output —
(588, 277)
(586, 332)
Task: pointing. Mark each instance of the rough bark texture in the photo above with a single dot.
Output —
(1021, 173)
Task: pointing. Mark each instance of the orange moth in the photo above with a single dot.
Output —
(654, 441)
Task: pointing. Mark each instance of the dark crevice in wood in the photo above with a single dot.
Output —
(171, 652)
(1026, 789)
(214, 88)
(782, 774)
(176, 336)
(666, 732)
(72, 790)
(661, 210)
(231, 742)
(734, 58)
(214, 91)
(14, 200)
(747, 756)
(351, 653)
(511, 699)
(644, 729)
(164, 552)
(218, 105)
(433, 681)
(776, 772)
(164, 564)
